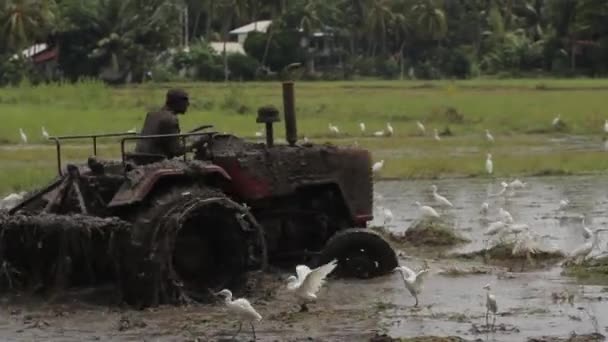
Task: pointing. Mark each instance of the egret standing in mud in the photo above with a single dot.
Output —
(606, 126)
(440, 199)
(23, 136)
(45, 134)
(490, 306)
(525, 246)
(389, 129)
(436, 135)
(308, 282)
(378, 166)
(581, 253)
(427, 211)
(505, 216)
(563, 204)
(388, 215)
(421, 127)
(362, 127)
(334, 129)
(586, 231)
(557, 121)
(242, 309)
(412, 280)
(489, 164)
(517, 184)
(489, 136)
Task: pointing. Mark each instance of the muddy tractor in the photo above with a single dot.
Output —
(167, 230)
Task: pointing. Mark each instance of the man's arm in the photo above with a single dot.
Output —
(173, 146)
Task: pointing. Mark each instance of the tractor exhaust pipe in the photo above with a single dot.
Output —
(291, 130)
(289, 105)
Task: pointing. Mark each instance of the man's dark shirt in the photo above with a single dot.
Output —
(161, 122)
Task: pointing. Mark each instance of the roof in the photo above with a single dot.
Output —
(31, 51)
(231, 47)
(259, 26)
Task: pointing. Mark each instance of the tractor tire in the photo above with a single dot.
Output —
(186, 242)
(361, 253)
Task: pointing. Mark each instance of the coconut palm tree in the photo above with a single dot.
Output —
(24, 21)
(431, 20)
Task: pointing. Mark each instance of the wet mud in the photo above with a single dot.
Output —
(537, 304)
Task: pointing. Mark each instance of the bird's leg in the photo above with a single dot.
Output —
(253, 330)
(493, 321)
(487, 318)
(238, 331)
(523, 265)
(416, 304)
(303, 308)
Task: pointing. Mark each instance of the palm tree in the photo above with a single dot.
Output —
(230, 11)
(431, 20)
(378, 18)
(24, 21)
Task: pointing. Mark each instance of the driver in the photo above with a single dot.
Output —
(165, 121)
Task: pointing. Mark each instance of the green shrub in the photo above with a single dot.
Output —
(242, 67)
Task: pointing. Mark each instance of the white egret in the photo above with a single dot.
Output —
(379, 133)
(586, 231)
(606, 126)
(580, 254)
(378, 166)
(525, 246)
(484, 208)
(495, 227)
(426, 211)
(504, 187)
(412, 280)
(388, 215)
(517, 228)
(489, 136)
(505, 215)
(436, 135)
(45, 134)
(306, 140)
(421, 127)
(491, 305)
(308, 282)
(389, 129)
(489, 164)
(334, 129)
(557, 120)
(362, 127)
(563, 204)
(440, 199)
(517, 184)
(23, 136)
(242, 310)
(132, 130)
(259, 134)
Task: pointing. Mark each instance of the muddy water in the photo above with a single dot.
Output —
(356, 310)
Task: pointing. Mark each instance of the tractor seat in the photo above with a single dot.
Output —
(144, 158)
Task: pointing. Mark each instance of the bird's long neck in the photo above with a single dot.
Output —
(228, 299)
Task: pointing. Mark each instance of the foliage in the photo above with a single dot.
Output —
(118, 40)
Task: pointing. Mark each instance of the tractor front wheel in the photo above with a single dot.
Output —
(361, 253)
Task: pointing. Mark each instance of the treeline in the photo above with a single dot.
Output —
(135, 40)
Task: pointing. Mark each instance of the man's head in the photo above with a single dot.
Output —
(177, 101)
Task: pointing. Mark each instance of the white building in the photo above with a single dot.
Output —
(256, 26)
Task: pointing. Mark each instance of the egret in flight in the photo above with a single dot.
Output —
(308, 282)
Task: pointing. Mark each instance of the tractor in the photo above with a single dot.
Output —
(165, 231)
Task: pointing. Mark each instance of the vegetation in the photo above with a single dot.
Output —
(121, 40)
(518, 113)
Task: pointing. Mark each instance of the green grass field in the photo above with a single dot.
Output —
(518, 112)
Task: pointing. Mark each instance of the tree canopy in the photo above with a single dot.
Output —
(119, 39)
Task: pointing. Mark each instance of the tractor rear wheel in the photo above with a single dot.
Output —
(186, 242)
(361, 253)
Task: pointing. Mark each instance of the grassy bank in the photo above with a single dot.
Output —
(518, 112)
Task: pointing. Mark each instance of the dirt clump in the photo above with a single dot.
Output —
(594, 269)
(430, 233)
(501, 254)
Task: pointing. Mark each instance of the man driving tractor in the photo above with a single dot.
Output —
(165, 121)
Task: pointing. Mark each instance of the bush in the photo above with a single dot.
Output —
(242, 67)
(284, 48)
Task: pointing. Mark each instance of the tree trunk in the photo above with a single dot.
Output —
(267, 47)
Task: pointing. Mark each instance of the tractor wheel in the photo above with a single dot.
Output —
(187, 242)
(361, 253)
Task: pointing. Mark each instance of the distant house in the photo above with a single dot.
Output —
(242, 32)
(44, 57)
